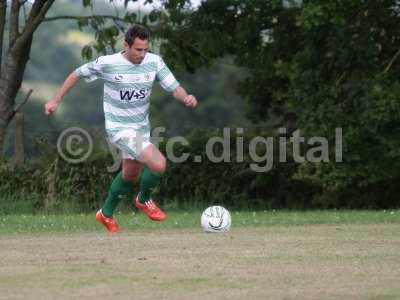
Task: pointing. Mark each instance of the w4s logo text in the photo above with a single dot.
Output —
(133, 94)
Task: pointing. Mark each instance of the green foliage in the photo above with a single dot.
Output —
(87, 52)
(332, 64)
(82, 184)
(327, 64)
(87, 3)
(232, 183)
(194, 185)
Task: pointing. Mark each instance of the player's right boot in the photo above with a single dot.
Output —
(109, 223)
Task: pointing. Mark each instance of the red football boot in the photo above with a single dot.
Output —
(151, 210)
(109, 223)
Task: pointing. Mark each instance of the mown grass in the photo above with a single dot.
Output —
(42, 222)
(337, 261)
(267, 255)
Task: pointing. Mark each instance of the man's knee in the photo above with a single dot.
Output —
(131, 174)
(160, 166)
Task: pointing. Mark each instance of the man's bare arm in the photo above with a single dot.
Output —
(68, 84)
(181, 95)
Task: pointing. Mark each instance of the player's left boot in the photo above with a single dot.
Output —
(151, 210)
(109, 223)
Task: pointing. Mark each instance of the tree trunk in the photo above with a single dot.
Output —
(10, 83)
(6, 110)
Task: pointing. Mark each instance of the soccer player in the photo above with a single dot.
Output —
(128, 80)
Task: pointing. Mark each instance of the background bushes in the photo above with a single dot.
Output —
(49, 183)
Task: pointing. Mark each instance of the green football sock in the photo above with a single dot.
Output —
(119, 189)
(148, 181)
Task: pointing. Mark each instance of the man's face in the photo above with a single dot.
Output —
(137, 51)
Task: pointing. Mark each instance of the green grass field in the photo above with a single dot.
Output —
(266, 255)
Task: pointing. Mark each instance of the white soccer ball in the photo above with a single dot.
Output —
(216, 219)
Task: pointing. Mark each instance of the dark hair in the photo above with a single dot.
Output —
(136, 31)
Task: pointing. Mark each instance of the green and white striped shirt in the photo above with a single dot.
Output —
(127, 88)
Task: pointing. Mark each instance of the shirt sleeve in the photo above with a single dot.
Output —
(90, 71)
(165, 77)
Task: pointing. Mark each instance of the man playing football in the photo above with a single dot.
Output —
(128, 80)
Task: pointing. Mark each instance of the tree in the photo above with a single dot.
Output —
(17, 53)
(328, 64)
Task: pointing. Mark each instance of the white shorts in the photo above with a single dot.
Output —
(131, 143)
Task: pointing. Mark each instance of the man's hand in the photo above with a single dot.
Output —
(190, 101)
(181, 95)
(51, 106)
